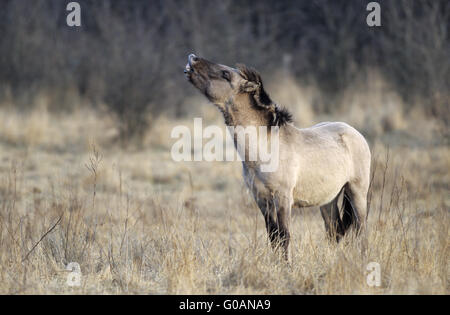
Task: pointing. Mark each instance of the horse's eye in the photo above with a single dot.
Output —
(226, 75)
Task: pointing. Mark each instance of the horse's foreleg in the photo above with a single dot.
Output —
(277, 215)
(283, 206)
(270, 217)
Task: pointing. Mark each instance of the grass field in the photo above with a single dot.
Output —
(139, 223)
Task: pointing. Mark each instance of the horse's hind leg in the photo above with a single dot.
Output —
(332, 220)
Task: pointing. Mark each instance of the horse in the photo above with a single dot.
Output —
(317, 165)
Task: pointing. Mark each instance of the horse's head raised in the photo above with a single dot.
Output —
(222, 84)
(218, 82)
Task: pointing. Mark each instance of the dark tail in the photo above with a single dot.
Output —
(349, 216)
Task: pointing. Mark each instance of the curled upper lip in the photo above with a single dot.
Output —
(189, 67)
(192, 59)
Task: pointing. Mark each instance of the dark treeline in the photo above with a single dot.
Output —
(130, 54)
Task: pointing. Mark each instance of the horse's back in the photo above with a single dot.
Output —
(344, 134)
(331, 154)
(355, 143)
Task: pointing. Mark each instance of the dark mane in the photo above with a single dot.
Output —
(282, 117)
(278, 116)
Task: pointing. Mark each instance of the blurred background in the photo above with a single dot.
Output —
(128, 56)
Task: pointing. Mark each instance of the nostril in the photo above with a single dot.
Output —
(192, 58)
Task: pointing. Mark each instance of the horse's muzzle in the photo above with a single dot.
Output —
(192, 60)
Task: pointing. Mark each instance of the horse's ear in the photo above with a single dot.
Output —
(249, 87)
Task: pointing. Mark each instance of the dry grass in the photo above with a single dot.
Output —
(137, 222)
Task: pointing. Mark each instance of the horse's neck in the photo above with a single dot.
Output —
(240, 112)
